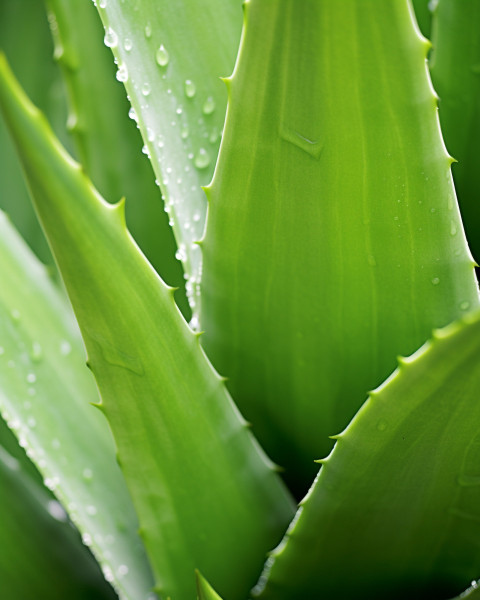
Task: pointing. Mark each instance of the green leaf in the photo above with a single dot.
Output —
(45, 396)
(397, 503)
(455, 68)
(204, 589)
(108, 143)
(194, 471)
(41, 555)
(424, 15)
(472, 592)
(333, 239)
(23, 26)
(170, 58)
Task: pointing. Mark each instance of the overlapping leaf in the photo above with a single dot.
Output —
(45, 396)
(170, 57)
(333, 239)
(205, 494)
(395, 510)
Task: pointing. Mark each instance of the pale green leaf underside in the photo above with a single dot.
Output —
(108, 143)
(170, 56)
(396, 505)
(194, 471)
(333, 239)
(45, 396)
(455, 68)
(41, 555)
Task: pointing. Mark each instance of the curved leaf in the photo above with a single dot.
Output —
(45, 396)
(396, 506)
(170, 57)
(194, 471)
(333, 239)
(455, 68)
(109, 146)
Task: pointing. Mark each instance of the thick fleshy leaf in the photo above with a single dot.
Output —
(170, 57)
(108, 143)
(197, 477)
(455, 68)
(41, 555)
(395, 510)
(23, 26)
(333, 239)
(45, 396)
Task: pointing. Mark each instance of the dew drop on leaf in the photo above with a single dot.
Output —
(436, 280)
(122, 74)
(162, 56)
(202, 159)
(111, 38)
(208, 106)
(190, 89)
(127, 44)
(146, 89)
(148, 31)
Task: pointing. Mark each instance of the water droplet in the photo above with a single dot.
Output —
(145, 149)
(2, 350)
(127, 44)
(91, 510)
(56, 444)
(31, 422)
(181, 254)
(31, 391)
(146, 89)
(102, 3)
(148, 31)
(57, 511)
(31, 378)
(184, 132)
(36, 353)
(107, 573)
(465, 305)
(190, 88)
(87, 539)
(382, 425)
(436, 280)
(15, 314)
(87, 474)
(162, 57)
(111, 38)
(179, 110)
(133, 115)
(202, 159)
(196, 217)
(122, 74)
(453, 228)
(122, 570)
(208, 106)
(214, 135)
(150, 134)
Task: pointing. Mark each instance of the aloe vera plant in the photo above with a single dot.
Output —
(329, 352)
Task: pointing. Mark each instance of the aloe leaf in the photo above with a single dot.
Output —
(397, 503)
(423, 14)
(108, 143)
(472, 592)
(170, 58)
(204, 589)
(41, 555)
(194, 470)
(20, 33)
(45, 391)
(455, 69)
(318, 274)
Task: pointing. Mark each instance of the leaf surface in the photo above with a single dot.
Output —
(170, 57)
(45, 396)
(41, 555)
(333, 238)
(108, 144)
(455, 68)
(204, 589)
(197, 477)
(396, 505)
